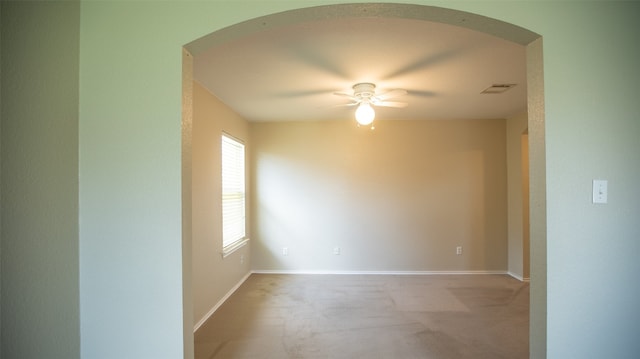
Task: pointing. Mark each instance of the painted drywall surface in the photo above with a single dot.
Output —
(40, 289)
(399, 198)
(212, 275)
(526, 204)
(537, 201)
(0, 185)
(593, 134)
(130, 205)
(515, 127)
(187, 203)
(115, 69)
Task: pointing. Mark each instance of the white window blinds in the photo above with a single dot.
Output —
(233, 191)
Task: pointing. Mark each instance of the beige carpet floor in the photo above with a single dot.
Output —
(370, 316)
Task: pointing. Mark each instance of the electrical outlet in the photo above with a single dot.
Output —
(285, 251)
(336, 251)
(242, 259)
(459, 250)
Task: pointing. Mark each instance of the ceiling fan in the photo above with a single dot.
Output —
(364, 96)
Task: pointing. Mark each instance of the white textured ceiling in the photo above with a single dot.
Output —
(290, 73)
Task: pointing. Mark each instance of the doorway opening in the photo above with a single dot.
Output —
(535, 137)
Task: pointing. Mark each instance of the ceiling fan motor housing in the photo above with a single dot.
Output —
(364, 90)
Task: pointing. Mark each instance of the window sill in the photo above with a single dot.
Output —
(234, 247)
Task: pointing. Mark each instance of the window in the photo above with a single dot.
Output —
(233, 194)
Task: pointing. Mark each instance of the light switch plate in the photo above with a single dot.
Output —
(600, 191)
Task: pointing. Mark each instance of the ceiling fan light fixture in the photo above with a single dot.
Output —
(365, 114)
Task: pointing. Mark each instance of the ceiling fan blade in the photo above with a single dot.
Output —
(301, 93)
(391, 94)
(344, 105)
(345, 95)
(391, 104)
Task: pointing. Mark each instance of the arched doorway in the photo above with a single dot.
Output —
(492, 27)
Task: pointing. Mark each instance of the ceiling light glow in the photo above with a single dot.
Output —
(365, 114)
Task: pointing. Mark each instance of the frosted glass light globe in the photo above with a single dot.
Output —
(365, 114)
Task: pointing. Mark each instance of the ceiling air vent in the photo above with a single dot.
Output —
(497, 88)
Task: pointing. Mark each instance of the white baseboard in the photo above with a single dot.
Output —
(518, 277)
(220, 302)
(482, 272)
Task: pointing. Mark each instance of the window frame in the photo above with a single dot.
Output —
(231, 245)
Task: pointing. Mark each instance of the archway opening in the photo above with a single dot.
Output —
(535, 109)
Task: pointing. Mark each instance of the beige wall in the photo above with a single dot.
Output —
(212, 275)
(516, 126)
(400, 198)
